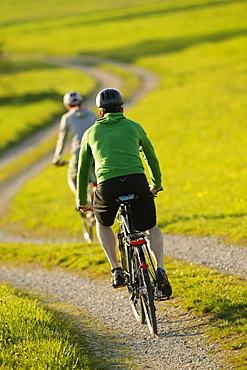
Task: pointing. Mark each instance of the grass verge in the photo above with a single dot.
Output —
(36, 336)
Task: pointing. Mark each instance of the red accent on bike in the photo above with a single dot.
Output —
(138, 242)
(144, 266)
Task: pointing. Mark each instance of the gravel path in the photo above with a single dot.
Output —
(207, 251)
(179, 345)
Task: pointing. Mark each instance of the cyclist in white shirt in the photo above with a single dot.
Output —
(76, 121)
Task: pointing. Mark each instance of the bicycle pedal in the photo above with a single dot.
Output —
(118, 286)
(165, 297)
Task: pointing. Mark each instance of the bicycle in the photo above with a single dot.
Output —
(87, 218)
(138, 266)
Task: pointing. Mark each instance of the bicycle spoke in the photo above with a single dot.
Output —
(136, 305)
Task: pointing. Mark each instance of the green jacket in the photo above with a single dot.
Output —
(115, 143)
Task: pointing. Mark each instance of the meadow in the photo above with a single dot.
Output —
(196, 119)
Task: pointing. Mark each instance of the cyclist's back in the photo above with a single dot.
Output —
(75, 122)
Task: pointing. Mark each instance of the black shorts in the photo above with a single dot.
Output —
(142, 209)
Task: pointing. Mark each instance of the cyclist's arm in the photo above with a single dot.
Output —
(84, 167)
(63, 131)
(148, 152)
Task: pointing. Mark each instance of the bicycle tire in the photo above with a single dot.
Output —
(147, 295)
(88, 223)
(134, 293)
(88, 219)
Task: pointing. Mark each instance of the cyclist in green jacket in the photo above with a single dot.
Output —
(114, 143)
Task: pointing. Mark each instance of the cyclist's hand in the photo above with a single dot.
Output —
(155, 191)
(86, 207)
(60, 163)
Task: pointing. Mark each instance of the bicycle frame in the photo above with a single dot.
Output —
(135, 239)
(141, 282)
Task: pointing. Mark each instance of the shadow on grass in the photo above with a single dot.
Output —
(177, 218)
(180, 7)
(101, 348)
(31, 127)
(18, 100)
(231, 312)
(146, 14)
(166, 46)
(29, 65)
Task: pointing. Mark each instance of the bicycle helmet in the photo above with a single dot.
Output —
(72, 98)
(109, 97)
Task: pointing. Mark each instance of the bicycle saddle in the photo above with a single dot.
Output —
(126, 198)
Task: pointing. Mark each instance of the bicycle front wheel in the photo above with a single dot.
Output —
(88, 219)
(88, 224)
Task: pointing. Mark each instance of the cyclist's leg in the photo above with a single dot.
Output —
(108, 242)
(155, 241)
(105, 209)
(156, 244)
(72, 184)
(145, 205)
(72, 172)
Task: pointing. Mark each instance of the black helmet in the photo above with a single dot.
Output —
(109, 97)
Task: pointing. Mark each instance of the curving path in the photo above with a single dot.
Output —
(211, 252)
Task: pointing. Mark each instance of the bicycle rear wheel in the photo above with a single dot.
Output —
(147, 295)
(134, 292)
